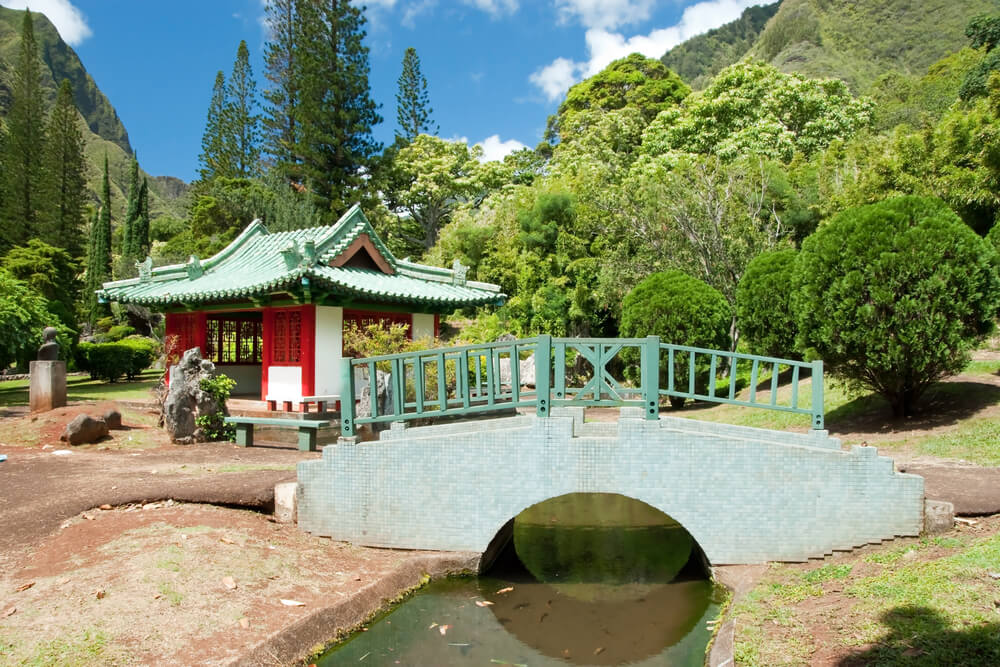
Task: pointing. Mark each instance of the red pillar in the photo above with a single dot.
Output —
(307, 356)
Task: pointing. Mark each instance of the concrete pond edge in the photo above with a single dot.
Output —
(295, 643)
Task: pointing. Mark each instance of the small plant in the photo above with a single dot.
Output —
(213, 425)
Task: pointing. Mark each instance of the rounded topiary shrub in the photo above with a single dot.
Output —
(893, 295)
(763, 304)
(681, 310)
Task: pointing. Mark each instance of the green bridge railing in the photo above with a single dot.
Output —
(469, 379)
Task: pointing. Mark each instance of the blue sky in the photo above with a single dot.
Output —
(495, 69)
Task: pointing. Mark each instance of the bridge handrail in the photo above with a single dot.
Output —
(471, 379)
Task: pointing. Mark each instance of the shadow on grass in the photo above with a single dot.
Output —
(944, 404)
(921, 636)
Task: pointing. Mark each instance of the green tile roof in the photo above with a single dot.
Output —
(258, 263)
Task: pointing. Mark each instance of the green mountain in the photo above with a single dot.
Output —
(103, 130)
(854, 40)
(700, 58)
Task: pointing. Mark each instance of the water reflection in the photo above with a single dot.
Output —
(592, 579)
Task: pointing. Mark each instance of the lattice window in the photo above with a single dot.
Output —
(287, 341)
(234, 339)
(250, 339)
(280, 354)
(211, 351)
(294, 336)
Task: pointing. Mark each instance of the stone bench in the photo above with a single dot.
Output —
(304, 402)
(307, 429)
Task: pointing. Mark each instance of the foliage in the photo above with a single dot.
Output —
(413, 111)
(983, 31)
(127, 357)
(64, 167)
(763, 304)
(119, 331)
(135, 235)
(680, 310)
(278, 126)
(50, 272)
(699, 58)
(214, 426)
(240, 120)
(372, 340)
(214, 157)
(920, 101)
(892, 296)
(99, 252)
(24, 144)
(23, 315)
(752, 108)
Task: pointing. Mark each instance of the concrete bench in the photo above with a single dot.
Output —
(304, 402)
(307, 429)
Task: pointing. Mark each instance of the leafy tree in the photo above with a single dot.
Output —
(763, 304)
(215, 158)
(25, 143)
(335, 113)
(413, 111)
(681, 310)
(23, 316)
(65, 170)
(752, 108)
(279, 127)
(49, 271)
(894, 295)
(240, 120)
(920, 101)
(983, 31)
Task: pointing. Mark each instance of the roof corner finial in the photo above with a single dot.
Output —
(145, 269)
(194, 268)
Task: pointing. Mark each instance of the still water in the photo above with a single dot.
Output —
(590, 579)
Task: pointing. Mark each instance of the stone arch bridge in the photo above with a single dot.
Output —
(746, 495)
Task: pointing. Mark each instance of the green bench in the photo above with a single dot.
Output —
(307, 429)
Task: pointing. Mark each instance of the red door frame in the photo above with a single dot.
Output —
(307, 348)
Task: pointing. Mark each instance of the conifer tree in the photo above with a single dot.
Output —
(25, 143)
(65, 171)
(99, 251)
(280, 132)
(241, 122)
(131, 217)
(335, 113)
(413, 111)
(140, 232)
(214, 159)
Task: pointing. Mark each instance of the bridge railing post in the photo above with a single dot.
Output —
(650, 361)
(543, 368)
(817, 395)
(347, 398)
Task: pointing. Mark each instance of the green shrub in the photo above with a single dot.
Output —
(112, 361)
(893, 295)
(763, 304)
(214, 426)
(680, 310)
(119, 331)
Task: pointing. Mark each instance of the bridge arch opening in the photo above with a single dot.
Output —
(596, 537)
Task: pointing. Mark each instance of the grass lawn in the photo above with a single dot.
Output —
(82, 388)
(926, 601)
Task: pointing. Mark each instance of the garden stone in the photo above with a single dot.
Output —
(185, 401)
(383, 398)
(112, 418)
(939, 516)
(84, 429)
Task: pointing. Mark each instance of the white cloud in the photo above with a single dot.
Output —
(67, 19)
(414, 10)
(495, 149)
(604, 14)
(495, 8)
(605, 46)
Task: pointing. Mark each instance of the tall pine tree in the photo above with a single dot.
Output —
(241, 122)
(23, 172)
(335, 113)
(280, 132)
(214, 157)
(413, 111)
(140, 232)
(99, 251)
(64, 167)
(128, 250)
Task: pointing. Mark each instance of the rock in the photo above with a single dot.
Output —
(84, 429)
(112, 418)
(185, 401)
(383, 398)
(525, 371)
(284, 501)
(939, 517)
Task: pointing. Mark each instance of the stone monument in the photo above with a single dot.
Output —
(47, 390)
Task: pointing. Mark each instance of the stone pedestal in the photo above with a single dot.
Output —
(48, 385)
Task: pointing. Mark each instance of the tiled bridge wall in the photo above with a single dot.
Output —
(746, 495)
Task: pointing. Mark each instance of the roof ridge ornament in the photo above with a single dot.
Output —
(459, 272)
(145, 268)
(291, 255)
(194, 268)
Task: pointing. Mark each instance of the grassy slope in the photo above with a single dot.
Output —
(103, 130)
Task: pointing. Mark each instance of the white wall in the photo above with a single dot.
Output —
(329, 348)
(423, 326)
(284, 383)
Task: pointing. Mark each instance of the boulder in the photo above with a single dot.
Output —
(112, 418)
(185, 401)
(84, 429)
(525, 371)
(383, 398)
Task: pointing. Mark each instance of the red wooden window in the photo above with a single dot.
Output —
(234, 339)
(287, 337)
